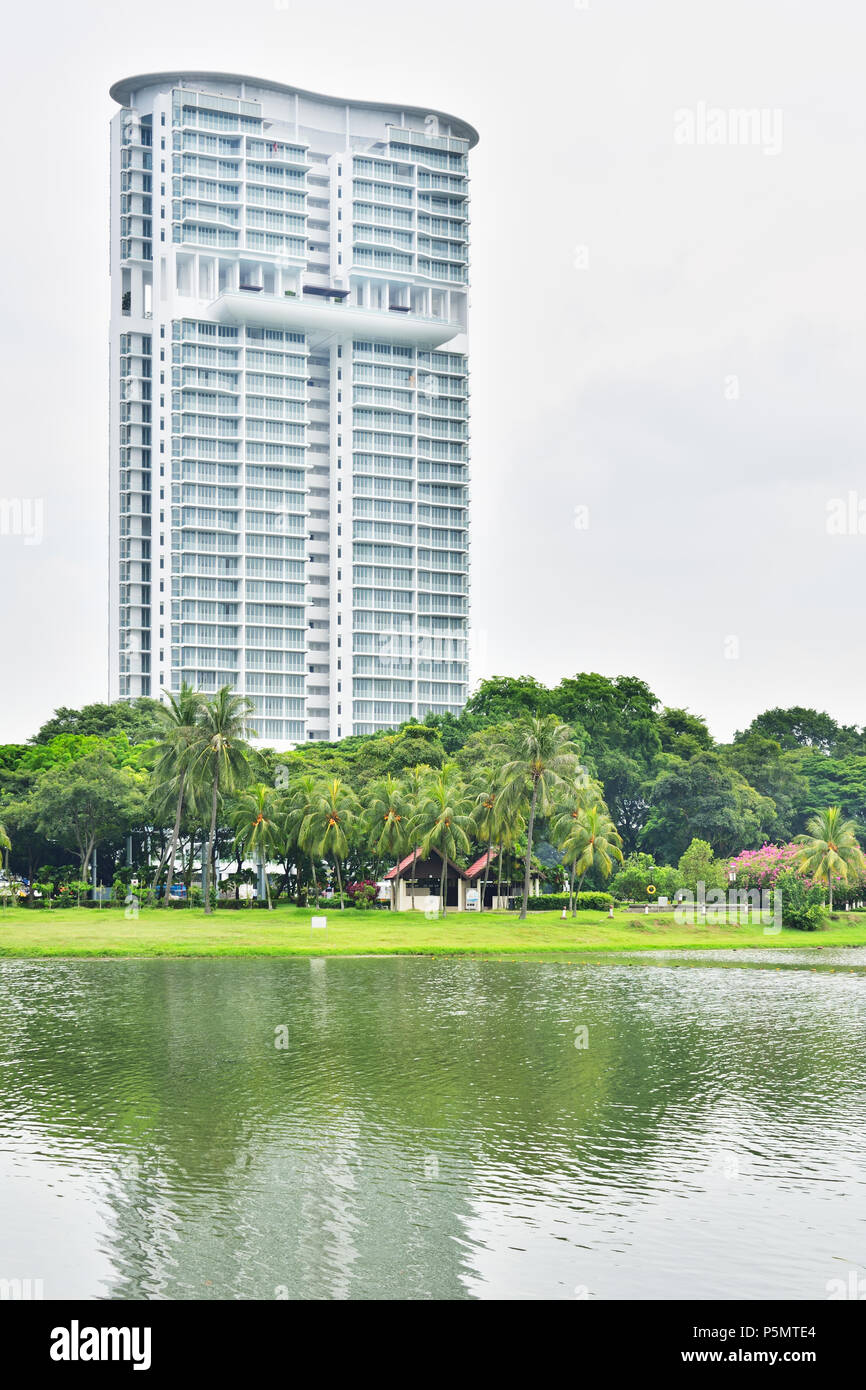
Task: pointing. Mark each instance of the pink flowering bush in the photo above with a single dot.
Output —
(362, 894)
(759, 868)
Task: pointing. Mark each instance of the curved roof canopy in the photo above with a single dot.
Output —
(122, 92)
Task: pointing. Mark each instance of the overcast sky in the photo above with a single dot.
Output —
(667, 333)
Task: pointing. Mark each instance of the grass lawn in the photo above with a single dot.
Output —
(287, 932)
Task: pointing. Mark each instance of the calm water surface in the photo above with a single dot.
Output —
(622, 1127)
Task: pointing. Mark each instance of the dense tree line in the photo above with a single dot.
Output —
(520, 773)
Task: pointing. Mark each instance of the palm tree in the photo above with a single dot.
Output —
(386, 822)
(592, 841)
(303, 794)
(257, 829)
(546, 757)
(218, 758)
(445, 819)
(330, 822)
(830, 847)
(572, 801)
(180, 718)
(415, 783)
(5, 849)
(510, 823)
(485, 789)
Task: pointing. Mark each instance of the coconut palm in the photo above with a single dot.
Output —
(5, 850)
(573, 799)
(330, 822)
(445, 820)
(592, 841)
(180, 719)
(546, 757)
(510, 825)
(415, 783)
(257, 829)
(485, 789)
(830, 848)
(298, 826)
(218, 758)
(386, 821)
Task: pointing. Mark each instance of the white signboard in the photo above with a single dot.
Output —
(319, 923)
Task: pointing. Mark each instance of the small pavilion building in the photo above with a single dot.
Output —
(426, 875)
(463, 887)
(476, 874)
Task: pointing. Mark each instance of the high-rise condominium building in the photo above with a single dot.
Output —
(289, 402)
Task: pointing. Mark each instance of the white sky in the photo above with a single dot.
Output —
(601, 386)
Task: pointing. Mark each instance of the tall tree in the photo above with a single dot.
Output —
(298, 825)
(486, 792)
(830, 781)
(386, 822)
(5, 849)
(591, 844)
(511, 825)
(616, 723)
(508, 697)
(778, 775)
(683, 733)
(571, 802)
(81, 803)
(546, 757)
(445, 820)
(330, 824)
(257, 829)
(830, 848)
(219, 758)
(796, 727)
(139, 719)
(613, 714)
(415, 781)
(703, 797)
(179, 722)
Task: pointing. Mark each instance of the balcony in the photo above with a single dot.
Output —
(323, 320)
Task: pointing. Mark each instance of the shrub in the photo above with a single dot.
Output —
(802, 903)
(545, 902)
(698, 865)
(595, 901)
(68, 893)
(760, 868)
(241, 905)
(589, 902)
(640, 870)
(362, 895)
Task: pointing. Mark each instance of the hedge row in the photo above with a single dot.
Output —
(589, 902)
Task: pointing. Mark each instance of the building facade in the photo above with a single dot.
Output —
(289, 382)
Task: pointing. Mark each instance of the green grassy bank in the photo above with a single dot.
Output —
(287, 932)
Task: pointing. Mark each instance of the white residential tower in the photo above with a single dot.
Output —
(289, 402)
